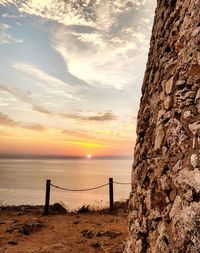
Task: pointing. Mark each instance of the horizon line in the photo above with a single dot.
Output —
(67, 157)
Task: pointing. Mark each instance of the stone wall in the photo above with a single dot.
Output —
(164, 207)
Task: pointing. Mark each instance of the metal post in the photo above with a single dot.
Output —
(111, 194)
(47, 197)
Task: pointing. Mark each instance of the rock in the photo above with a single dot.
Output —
(165, 183)
(195, 160)
(176, 134)
(176, 208)
(188, 196)
(162, 240)
(59, 208)
(12, 242)
(180, 82)
(14, 221)
(197, 95)
(184, 223)
(195, 127)
(87, 233)
(169, 85)
(168, 103)
(119, 248)
(196, 32)
(198, 58)
(178, 166)
(159, 136)
(148, 199)
(187, 114)
(172, 195)
(100, 233)
(112, 234)
(57, 247)
(30, 226)
(25, 229)
(138, 246)
(9, 230)
(96, 245)
(21, 213)
(76, 222)
(189, 178)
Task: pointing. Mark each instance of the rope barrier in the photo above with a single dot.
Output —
(111, 199)
(87, 189)
(120, 183)
(79, 190)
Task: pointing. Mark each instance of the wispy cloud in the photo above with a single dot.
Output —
(20, 95)
(35, 127)
(5, 37)
(56, 86)
(107, 116)
(7, 121)
(99, 117)
(41, 109)
(24, 97)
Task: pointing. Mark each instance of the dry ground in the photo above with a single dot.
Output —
(25, 230)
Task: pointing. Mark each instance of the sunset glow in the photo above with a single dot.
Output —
(70, 84)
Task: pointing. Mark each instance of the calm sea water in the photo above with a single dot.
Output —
(23, 181)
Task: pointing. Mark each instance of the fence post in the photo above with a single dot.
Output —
(111, 194)
(47, 197)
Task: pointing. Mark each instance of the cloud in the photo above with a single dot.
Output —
(24, 97)
(107, 116)
(20, 95)
(55, 85)
(99, 117)
(41, 109)
(5, 120)
(105, 51)
(5, 37)
(90, 58)
(104, 38)
(35, 127)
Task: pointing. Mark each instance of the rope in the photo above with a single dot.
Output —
(79, 190)
(120, 183)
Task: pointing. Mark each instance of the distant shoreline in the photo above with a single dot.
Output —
(60, 157)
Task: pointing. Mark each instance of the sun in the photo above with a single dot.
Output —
(89, 156)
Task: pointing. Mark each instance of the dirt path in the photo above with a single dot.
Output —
(25, 231)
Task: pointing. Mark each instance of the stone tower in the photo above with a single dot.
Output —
(164, 209)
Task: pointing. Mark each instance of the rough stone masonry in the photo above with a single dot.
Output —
(164, 213)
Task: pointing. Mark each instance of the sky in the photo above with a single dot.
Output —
(71, 75)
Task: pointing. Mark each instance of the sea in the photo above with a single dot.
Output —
(23, 181)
